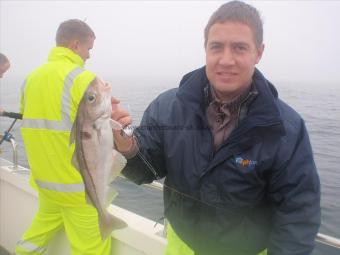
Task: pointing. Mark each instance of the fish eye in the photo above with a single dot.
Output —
(91, 98)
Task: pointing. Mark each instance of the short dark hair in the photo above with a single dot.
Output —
(237, 11)
(73, 29)
(3, 59)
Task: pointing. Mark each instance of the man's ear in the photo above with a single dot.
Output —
(74, 45)
(259, 52)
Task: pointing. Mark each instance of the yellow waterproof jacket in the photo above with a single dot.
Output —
(49, 102)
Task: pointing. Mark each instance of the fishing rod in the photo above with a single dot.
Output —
(12, 115)
(7, 135)
(128, 132)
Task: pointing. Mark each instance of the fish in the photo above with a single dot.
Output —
(94, 155)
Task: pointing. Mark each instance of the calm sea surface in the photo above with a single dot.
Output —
(318, 105)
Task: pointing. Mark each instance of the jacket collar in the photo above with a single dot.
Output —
(191, 89)
(261, 111)
(62, 53)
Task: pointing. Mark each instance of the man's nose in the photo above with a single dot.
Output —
(227, 57)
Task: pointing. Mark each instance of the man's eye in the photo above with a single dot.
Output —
(215, 47)
(240, 48)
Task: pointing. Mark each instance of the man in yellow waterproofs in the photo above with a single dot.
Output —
(49, 101)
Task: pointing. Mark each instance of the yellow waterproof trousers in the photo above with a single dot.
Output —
(177, 247)
(81, 228)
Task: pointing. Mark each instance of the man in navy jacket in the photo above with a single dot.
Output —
(239, 172)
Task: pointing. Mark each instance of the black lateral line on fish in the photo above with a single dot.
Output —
(91, 179)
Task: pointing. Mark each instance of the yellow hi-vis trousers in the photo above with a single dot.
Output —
(81, 228)
(177, 247)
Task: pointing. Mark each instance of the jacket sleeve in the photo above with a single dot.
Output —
(148, 165)
(294, 189)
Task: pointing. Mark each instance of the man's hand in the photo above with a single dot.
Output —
(2, 110)
(123, 143)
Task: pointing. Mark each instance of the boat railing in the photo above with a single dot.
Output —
(15, 153)
(328, 240)
(10, 138)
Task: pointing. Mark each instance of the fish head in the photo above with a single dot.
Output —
(96, 102)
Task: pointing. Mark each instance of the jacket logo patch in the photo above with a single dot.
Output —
(245, 163)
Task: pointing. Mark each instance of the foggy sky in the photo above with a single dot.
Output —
(155, 40)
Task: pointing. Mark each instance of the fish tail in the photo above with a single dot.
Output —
(108, 223)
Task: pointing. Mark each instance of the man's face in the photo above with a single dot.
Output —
(3, 69)
(231, 56)
(83, 48)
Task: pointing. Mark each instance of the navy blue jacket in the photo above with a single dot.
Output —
(259, 190)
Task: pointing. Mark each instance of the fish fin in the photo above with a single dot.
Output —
(115, 125)
(98, 124)
(75, 162)
(112, 194)
(108, 223)
(119, 162)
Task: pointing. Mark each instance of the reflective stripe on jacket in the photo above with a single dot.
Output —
(49, 102)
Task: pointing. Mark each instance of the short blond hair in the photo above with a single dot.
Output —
(73, 29)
